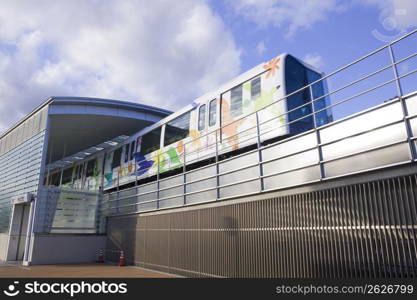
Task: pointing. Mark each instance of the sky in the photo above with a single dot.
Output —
(167, 53)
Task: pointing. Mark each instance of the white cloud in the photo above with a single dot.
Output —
(260, 48)
(314, 59)
(291, 14)
(154, 52)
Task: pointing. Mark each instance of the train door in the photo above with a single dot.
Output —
(213, 123)
(201, 149)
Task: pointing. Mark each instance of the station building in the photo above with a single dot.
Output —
(59, 127)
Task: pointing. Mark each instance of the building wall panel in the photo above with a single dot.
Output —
(362, 230)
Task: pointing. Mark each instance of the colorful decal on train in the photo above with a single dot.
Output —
(237, 132)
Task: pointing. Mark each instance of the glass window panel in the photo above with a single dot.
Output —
(78, 171)
(90, 168)
(212, 112)
(202, 117)
(55, 178)
(296, 78)
(177, 129)
(67, 176)
(132, 150)
(236, 101)
(126, 153)
(117, 156)
(255, 88)
(151, 141)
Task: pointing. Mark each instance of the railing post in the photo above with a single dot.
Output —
(98, 214)
(136, 186)
(395, 70)
(157, 182)
(413, 154)
(261, 169)
(118, 178)
(118, 193)
(217, 166)
(317, 132)
(184, 182)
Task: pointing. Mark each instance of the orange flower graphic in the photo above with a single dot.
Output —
(231, 130)
(180, 146)
(272, 66)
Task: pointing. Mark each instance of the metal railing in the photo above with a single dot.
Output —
(112, 202)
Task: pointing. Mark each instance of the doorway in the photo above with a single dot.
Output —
(18, 232)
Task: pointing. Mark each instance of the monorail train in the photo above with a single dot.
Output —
(221, 122)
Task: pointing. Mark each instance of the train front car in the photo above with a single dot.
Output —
(260, 98)
(298, 75)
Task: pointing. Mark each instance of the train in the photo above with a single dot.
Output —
(264, 104)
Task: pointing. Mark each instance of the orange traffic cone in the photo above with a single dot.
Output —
(100, 256)
(122, 261)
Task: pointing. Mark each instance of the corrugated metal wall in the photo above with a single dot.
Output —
(19, 173)
(361, 230)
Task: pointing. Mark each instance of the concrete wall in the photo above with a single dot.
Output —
(66, 248)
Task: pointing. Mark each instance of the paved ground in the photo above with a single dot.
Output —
(78, 271)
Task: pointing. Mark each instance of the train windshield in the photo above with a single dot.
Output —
(300, 115)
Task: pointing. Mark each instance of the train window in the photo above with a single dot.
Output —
(212, 112)
(177, 129)
(202, 117)
(126, 156)
(67, 176)
(132, 150)
(151, 141)
(236, 101)
(324, 116)
(117, 156)
(296, 78)
(90, 168)
(255, 91)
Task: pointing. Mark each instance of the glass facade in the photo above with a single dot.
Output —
(66, 211)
